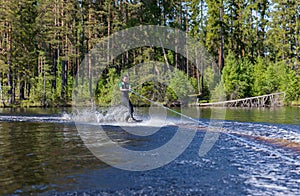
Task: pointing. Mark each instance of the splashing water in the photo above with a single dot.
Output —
(103, 115)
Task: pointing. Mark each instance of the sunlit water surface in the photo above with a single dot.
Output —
(257, 153)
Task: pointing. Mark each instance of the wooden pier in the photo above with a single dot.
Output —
(269, 100)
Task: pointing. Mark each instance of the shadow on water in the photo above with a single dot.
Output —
(35, 155)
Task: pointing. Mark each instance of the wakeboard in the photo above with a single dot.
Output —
(135, 121)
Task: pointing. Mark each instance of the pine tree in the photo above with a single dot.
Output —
(259, 77)
(282, 36)
(216, 30)
(237, 77)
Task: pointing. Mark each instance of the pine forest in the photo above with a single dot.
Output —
(255, 45)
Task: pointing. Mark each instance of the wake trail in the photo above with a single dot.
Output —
(265, 141)
(274, 139)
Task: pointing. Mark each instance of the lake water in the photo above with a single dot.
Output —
(256, 153)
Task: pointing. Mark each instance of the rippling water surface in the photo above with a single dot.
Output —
(257, 153)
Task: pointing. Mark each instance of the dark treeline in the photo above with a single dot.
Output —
(255, 43)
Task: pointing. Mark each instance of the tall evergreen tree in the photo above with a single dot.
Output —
(216, 30)
(282, 35)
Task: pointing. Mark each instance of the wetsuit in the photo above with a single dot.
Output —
(125, 97)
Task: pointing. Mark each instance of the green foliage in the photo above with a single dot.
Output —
(240, 81)
(177, 88)
(4, 89)
(262, 35)
(237, 77)
(181, 85)
(107, 92)
(275, 78)
(260, 83)
(210, 78)
(214, 26)
(170, 95)
(287, 81)
(153, 91)
(147, 90)
(41, 91)
(281, 42)
(219, 94)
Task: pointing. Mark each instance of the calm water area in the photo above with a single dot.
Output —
(256, 153)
